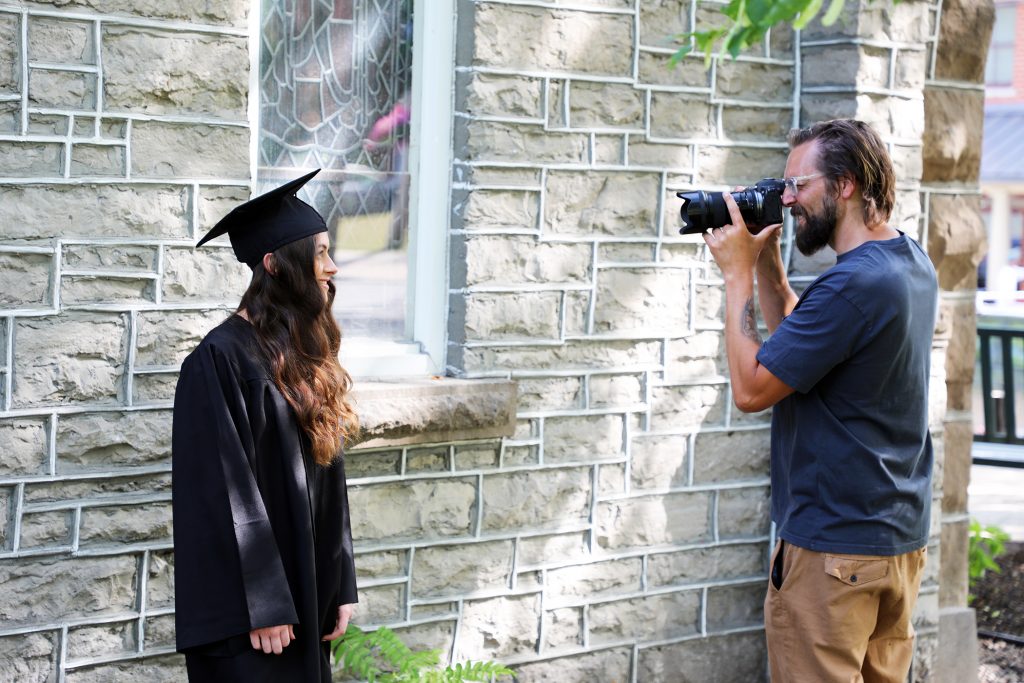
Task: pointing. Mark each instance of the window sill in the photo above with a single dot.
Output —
(409, 411)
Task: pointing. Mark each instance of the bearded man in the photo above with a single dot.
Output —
(846, 369)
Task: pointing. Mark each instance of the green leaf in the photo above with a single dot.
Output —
(834, 10)
(807, 13)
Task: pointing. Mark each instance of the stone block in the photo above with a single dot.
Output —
(583, 438)
(124, 525)
(730, 456)
(911, 70)
(586, 582)
(98, 160)
(499, 627)
(227, 13)
(686, 408)
(433, 459)
(743, 513)
(571, 355)
(601, 203)
(85, 642)
(534, 551)
(658, 462)
(428, 636)
(521, 260)
(846, 65)
(454, 570)
(611, 479)
(733, 657)
(360, 464)
(103, 485)
(500, 95)
(956, 240)
(735, 166)
(153, 388)
(682, 117)
(672, 518)
(166, 337)
(735, 607)
(10, 53)
(957, 651)
(386, 564)
(907, 162)
(956, 466)
(7, 498)
(128, 258)
(477, 456)
(498, 210)
(700, 356)
(69, 90)
(159, 632)
(952, 578)
(608, 150)
(159, 669)
(415, 509)
(98, 441)
(67, 358)
(25, 159)
(563, 628)
(536, 499)
(203, 275)
(150, 71)
(560, 40)
(600, 665)
(519, 315)
(47, 529)
(216, 201)
(707, 564)
(747, 123)
(640, 301)
(576, 313)
(52, 590)
(964, 36)
(606, 105)
(551, 393)
(492, 141)
(90, 210)
(382, 604)
(924, 667)
(160, 581)
(59, 41)
(91, 289)
(662, 19)
(951, 144)
(29, 657)
(755, 81)
(656, 617)
(10, 117)
(625, 252)
(616, 391)
(23, 442)
(175, 150)
(25, 280)
(689, 72)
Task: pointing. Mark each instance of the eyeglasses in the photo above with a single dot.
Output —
(793, 184)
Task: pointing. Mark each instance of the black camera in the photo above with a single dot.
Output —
(760, 206)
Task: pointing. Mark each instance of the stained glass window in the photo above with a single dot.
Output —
(335, 82)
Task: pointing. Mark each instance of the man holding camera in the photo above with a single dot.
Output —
(846, 369)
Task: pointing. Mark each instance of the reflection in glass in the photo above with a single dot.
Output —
(335, 76)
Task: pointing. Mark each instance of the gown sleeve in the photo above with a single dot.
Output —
(229, 575)
(347, 594)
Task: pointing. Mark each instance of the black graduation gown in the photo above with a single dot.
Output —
(261, 533)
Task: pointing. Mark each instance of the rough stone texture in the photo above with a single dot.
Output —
(46, 529)
(952, 140)
(616, 391)
(70, 357)
(599, 203)
(381, 565)
(414, 509)
(505, 210)
(730, 456)
(23, 442)
(499, 95)
(198, 150)
(499, 627)
(159, 632)
(600, 665)
(643, 619)
(743, 513)
(737, 165)
(160, 72)
(533, 500)
(743, 123)
(20, 159)
(953, 581)
(125, 525)
(685, 118)
(166, 337)
(119, 257)
(538, 549)
(460, 569)
(231, 12)
(731, 607)
(735, 657)
(527, 315)
(10, 54)
(96, 641)
(98, 160)
(30, 657)
(522, 260)
(576, 439)
(382, 604)
(50, 590)
(673, 518)
(24, 280)
(97, 441)
(686, 408)
(518, 143)
(696, 357)
(955, 231)
(964, 35)
(7, 513)
(563, 628)
(61, 90)
(756, 81)
(95, 488)
(42, 211)
(641, 301)
(658, 462)
(191, 275)
(89, 289)
(590, 581)
(605, 105)
(60, 41)
(557, 393)
(706, 564)
(161, 669)
(160, 583)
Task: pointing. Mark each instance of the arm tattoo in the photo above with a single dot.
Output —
(749, 324)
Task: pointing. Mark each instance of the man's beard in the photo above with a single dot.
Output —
(817, 229)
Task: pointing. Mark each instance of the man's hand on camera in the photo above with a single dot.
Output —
(735, 250)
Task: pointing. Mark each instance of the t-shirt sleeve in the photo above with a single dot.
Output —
(821, 332)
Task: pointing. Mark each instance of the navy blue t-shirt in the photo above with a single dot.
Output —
(851, 456)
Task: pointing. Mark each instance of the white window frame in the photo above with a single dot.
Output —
(430, 167)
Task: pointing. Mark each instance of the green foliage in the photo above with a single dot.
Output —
(985, 544)
(749, 21)
(381, 657)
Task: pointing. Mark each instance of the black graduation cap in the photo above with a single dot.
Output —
(269, 221)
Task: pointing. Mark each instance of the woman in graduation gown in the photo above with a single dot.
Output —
(264, 573)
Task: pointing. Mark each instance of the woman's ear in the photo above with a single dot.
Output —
(269, 265)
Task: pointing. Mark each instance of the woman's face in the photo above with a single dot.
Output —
(323, 266)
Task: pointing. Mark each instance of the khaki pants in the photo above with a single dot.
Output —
(842, 618)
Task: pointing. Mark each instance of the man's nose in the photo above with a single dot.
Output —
(788, 197)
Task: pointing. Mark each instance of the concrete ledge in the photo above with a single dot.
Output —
(433, 410)
(958, 646)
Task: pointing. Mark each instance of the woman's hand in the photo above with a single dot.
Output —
(272, 638)
(344, 614)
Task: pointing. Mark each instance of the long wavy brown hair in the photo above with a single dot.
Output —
(300, 340)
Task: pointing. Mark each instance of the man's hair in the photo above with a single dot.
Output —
(852, 149)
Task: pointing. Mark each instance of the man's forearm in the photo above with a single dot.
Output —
(776, 297)
(742, 340)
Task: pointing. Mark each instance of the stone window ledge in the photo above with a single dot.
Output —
(409, 411)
